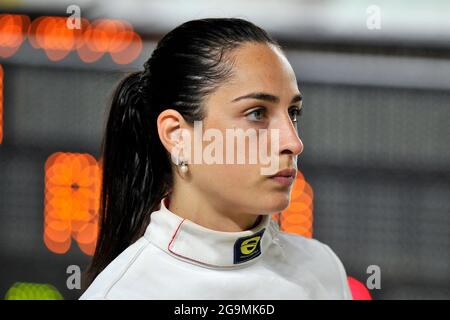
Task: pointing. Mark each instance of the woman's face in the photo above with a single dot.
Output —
(257, 68)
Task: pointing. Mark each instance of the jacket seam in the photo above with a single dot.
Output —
(137, 254)
(340, 269)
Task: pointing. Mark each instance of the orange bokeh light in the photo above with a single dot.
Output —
(13, 31)
(72, 193)
(132, 49)
(1, 104)
(52, 35)
(110, 36)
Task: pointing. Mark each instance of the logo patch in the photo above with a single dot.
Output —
(247, 248)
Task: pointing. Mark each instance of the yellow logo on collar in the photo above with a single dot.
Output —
(249, 245)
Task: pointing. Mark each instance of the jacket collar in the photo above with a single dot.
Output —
(188, 241)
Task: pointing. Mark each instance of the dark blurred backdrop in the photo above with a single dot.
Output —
(376, 130)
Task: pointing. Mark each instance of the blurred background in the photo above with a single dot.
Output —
(375, 76)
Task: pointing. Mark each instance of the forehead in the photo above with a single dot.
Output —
(261, 67)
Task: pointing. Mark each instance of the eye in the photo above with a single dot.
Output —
(259, 113)
(295, 112)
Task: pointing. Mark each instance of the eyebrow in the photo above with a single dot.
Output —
(267, 97)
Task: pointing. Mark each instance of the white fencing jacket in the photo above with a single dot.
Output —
(178, 259)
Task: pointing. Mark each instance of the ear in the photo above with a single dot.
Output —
(172, 132)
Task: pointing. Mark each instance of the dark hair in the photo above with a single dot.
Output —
(188, 64)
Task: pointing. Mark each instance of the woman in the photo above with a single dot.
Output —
(174, 227)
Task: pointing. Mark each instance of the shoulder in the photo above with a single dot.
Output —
(308, 246)
(319, 258)
(115, 271)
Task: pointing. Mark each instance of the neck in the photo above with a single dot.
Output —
(211, 215)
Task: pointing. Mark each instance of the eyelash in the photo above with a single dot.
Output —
(299, 112)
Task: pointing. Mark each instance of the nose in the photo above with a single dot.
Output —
(290, 142)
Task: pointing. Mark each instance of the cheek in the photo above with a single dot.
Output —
(234, 179)
(227, 175)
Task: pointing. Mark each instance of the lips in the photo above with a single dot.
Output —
(284, 177)
(289, 173)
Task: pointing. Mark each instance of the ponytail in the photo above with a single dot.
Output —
(132, 187)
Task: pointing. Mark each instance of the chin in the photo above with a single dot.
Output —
(276, 202)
